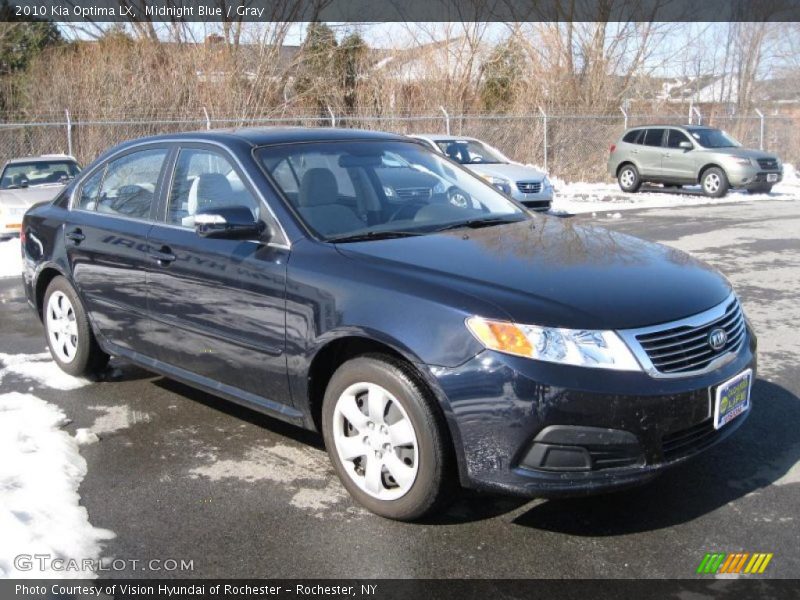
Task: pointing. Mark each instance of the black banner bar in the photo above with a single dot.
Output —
(401, 589)
(401, 10)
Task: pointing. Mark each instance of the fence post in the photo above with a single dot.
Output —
(625, 115)
(333, 117)
(761, 130)
(69, 132)
(208, 119)
(544, 121)
(699, 116)
(446, 120)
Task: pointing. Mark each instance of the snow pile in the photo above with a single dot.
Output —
(10, 258)
(39, 368)
(40, 472)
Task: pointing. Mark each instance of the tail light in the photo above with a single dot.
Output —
(22, 236)
(611, 148)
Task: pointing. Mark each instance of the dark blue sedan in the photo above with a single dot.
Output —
(364, 286)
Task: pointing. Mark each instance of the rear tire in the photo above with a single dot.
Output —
(628, 179)
(386, 439)
(714, 183)
(69, 335)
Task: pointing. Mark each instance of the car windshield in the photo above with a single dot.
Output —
(373, 189)
(470, 152)
(713, 138)
(25, 174)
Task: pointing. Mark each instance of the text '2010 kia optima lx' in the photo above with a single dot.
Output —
(432, 341)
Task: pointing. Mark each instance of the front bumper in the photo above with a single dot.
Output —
(751, 177)
(530, 428)
(540, 201)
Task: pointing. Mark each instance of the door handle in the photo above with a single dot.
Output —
(634, 152)
(163, 257)
(667, 155)
(76, 235)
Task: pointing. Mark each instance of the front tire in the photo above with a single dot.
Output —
(69, 334)
(629, 179)
(385, 438)
(715, 183)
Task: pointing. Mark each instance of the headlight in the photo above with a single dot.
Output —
(583, 348)
(439, 188)
(501, 184)
(388, 191)
(745, 162)
(546, 183)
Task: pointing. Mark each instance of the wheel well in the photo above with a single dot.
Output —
(625, 164)
(706, 168)
(330, 358)
(44, 279)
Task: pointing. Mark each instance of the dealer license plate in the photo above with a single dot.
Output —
(732, 398)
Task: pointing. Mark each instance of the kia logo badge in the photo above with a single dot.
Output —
(717, 339)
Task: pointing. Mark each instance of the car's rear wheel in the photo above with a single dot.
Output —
(715, 183)
(69, 334)
(628, 179)
(760, 190)
(385, 438)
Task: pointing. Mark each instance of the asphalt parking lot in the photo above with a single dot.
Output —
(180, 474)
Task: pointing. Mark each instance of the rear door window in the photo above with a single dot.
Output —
(653, 137)
(130, 183)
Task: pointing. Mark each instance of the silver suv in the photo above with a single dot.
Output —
(688, 155)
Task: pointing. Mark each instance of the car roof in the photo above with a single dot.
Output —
(264, 136)
(441, 137)
(678, 125)
(41, 158)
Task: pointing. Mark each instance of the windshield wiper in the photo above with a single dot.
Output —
(373, 235)
(482, 222)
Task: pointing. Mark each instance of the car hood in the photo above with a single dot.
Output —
(549, 272)
(741, 152)
(510, 171)
(31, 195)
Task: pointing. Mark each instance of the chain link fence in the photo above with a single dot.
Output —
(570, 147)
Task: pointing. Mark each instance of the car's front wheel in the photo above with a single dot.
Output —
(69, 334)
(715, 183)
(385, 438)
(628, 179)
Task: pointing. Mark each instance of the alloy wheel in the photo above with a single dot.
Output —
(711, 183)
(627, 178)
(62, 328)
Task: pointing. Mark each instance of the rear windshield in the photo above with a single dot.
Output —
(33, 173)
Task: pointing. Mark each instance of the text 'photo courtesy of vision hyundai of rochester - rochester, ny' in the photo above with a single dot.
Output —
(434, 330)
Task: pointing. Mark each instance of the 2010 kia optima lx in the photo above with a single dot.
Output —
(338, 280)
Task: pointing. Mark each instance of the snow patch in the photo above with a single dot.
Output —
(304, 471)
(10, 258)
(116, 418)
(84, 437)
(40, 472)
(40, 368)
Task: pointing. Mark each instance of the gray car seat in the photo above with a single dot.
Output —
(317, 203)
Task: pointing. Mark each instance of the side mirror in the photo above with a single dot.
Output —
(230, 222)
(686, 145)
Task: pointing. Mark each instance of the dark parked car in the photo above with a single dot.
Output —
(433, 338)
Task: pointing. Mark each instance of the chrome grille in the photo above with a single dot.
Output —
(768, 163)
(685, 348)
(529, 187)
(414, 192)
